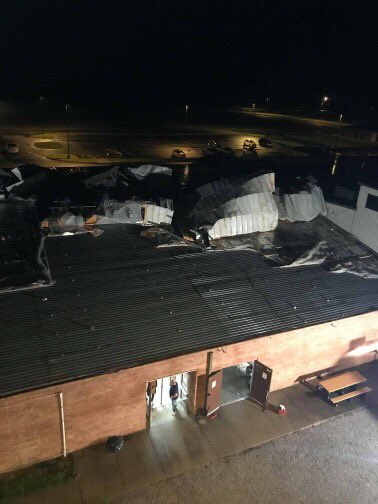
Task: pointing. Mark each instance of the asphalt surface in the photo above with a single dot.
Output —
(88, 142)
(335, 462)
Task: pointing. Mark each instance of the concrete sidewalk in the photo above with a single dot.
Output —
(181, 443)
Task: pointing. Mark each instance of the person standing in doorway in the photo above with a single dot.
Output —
(173, 394)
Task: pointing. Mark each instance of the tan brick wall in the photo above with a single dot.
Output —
(98, 407)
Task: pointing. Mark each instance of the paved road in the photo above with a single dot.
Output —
(335, 462)
(90, 147)
(154, 143)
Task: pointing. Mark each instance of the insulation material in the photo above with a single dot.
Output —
(121, 212)
(154, 214)
(69, 224)
(302, 206)
(135, 212)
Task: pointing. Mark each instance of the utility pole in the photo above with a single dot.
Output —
(67, 108)
(68, 145)
(42, 103)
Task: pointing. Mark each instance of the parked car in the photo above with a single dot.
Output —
(213, 145)
(11, 148)
(265, 142)
(249, 145)
(178, 153)
(114, 152)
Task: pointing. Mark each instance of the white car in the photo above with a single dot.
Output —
(11, 148)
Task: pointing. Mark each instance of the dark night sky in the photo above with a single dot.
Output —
(182, 51)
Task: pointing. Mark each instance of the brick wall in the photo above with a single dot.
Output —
(98, 407)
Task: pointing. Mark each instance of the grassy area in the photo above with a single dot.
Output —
(42, 136)
(74, 158)
(48, 145)
(33, 478)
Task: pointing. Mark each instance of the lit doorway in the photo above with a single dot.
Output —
(159, 404)
(236, 383)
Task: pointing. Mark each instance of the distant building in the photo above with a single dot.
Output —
(360, 134)
(361, 221)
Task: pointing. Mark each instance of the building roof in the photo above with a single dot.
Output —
(119, 302)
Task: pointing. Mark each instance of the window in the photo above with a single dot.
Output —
(372, 202)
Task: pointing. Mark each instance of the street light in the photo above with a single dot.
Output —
(42, 101)
(324, 100)
(67, 108)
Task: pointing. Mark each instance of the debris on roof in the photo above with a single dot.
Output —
(23, 260)
(146, 170)
(194, 301)
(133, 212)
(233, 207)
(304, 205)
(318, 242)
(69, 224)
(106, 179)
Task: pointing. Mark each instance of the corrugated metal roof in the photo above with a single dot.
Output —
(118, 302)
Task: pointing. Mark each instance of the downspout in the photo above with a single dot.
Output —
(62, 424)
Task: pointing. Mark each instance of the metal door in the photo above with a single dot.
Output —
(260, 383)
(214, 388)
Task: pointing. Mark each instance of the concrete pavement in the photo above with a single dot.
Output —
(180, 444)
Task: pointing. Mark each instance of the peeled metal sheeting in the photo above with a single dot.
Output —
(154, 214)
(247, 214)
(302, 206)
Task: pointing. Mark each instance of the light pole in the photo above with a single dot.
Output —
(324, 101)
(42, 101)
(67, 108)
(186, 112)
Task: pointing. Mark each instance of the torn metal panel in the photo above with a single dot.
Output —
(232, 207)
(23, 261)
(302, 206)
(244, 215)
(215, 194)
(145, 170)
(154, 214)
(318, 242)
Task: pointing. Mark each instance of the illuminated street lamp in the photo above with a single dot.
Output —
(324, 101)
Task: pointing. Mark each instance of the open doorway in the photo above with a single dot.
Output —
(159, 404)
(236, 383)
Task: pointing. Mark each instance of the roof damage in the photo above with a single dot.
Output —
(139, 292)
